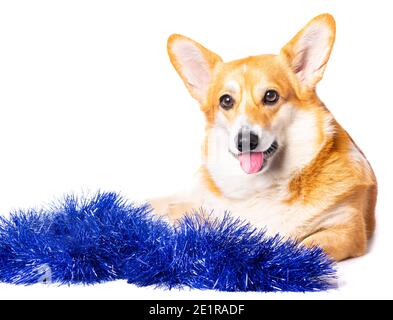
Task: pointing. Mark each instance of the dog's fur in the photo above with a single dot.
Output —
(318, 187)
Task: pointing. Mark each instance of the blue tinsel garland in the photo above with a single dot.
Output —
(105, 238)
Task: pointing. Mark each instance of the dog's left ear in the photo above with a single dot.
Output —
(308, 52)
(194, 63)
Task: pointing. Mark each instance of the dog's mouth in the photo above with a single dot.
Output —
(254, 162)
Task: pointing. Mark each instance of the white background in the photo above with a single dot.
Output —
(89, 100)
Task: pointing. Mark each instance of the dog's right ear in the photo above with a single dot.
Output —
(308, 52)
(194, 63)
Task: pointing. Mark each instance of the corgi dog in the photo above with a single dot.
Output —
(273, 154)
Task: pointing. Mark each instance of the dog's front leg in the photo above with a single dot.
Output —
(173, 207)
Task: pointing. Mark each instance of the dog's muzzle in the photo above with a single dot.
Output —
(251, 157)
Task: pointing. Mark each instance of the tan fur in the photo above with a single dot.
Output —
(327, 201)
(209, 182)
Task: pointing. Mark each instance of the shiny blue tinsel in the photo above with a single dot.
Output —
(105, 238)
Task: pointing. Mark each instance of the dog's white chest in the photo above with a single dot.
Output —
(265, 212)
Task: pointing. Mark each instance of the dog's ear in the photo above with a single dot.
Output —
(194, 63)
(309, 50)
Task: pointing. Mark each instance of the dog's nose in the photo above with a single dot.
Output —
(246, 141)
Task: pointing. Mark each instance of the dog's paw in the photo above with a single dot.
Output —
(170, 207)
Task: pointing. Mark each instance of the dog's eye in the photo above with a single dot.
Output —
(271, 97)
(226, 102)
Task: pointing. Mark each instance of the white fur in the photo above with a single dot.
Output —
(297, 134)
(266, 209)
(260, 198)
(232, 87)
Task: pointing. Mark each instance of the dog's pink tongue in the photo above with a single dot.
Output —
(251, 162)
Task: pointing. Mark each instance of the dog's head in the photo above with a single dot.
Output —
(257, 107)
